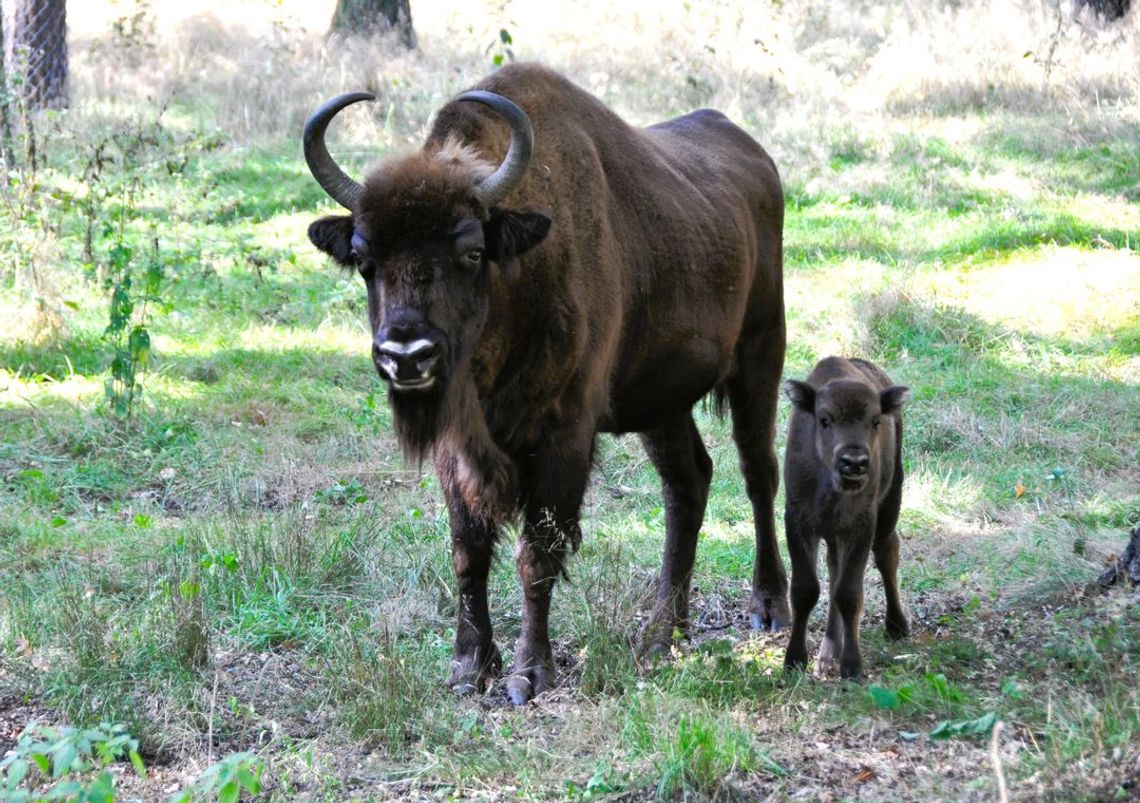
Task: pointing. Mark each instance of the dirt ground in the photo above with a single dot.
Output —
(264, 702)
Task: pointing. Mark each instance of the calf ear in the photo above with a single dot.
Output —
(510, 233)
(333, 235)
(801, 394)
(893, 398)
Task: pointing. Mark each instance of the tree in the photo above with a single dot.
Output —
(370, 16)
(35, 50)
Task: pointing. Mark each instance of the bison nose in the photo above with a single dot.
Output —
(854, 464)
(408, 365)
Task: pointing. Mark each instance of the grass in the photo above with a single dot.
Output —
(248, 566)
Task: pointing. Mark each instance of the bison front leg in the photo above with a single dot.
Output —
(847, 599)
(886, 551)
(477, 660)
(556, 485)
(802, 548)
(686, 471)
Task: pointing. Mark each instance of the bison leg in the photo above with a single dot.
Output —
(752, 395)
(554, 491)
(827, 659)
(802, 548)
(847, 597)
(686, 471)
(477, 659)
(886, 550)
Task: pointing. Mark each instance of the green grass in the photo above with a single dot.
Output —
(248, 564)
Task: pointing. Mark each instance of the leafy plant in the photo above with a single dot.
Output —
(62, 756)
(127, 332)
(226, 780)
(967, 727)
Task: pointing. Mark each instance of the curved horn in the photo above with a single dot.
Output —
(327, 172)
(509, 174)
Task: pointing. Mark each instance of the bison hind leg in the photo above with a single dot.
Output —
(679, 455)
(752, 390)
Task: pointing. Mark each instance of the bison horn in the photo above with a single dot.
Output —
(509, 174)
(327, 172)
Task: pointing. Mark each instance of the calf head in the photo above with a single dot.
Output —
(425, 234)
(847, 417)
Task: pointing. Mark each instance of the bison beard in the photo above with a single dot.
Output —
(569, 274)
(419, 417)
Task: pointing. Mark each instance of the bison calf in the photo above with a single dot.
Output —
(843, 477)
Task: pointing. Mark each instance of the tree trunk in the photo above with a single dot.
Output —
(35, 50)
(370, 16)
(5, 101)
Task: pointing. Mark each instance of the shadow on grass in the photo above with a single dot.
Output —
(1001, 403)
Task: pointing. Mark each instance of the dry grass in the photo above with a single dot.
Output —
(795, 73)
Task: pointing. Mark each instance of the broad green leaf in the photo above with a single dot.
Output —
(885, 698)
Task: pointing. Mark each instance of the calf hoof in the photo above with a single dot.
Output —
(827, 659)
(795, 661)
(472, 674)
(769, 611)
(897, 628)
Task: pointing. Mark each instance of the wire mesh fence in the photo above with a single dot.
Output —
(34, 35)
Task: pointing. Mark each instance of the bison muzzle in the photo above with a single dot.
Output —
(843, 483)
(539, 272)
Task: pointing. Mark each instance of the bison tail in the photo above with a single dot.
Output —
(717, 400)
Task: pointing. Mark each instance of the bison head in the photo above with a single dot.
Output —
(426, 234)
(847, 420)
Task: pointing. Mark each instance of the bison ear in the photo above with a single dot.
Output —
(509, 233)
(333, 235)
(893, 398)
(801, 394)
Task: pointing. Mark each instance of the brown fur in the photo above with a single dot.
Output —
(632, 272)
(843, 482)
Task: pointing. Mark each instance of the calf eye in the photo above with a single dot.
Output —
(876, 421)
(824, 422)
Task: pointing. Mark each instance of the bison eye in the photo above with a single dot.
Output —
(876, 421)
(824, 422)
(474, 258)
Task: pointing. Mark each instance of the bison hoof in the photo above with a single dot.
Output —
(659, 636)
(850, 670)
(522, 687)
(533, 672)
(827, 659)
(795, 662)
(471, 675)
(769, 612)
(897, 628)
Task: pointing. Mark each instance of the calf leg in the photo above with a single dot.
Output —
(553, 495)
(477, 659)
(847, 597)
(830, 647)
(686, 471)
(752, 394)
(886, 550)
(805, 590)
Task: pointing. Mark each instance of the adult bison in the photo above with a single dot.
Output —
(595, 278)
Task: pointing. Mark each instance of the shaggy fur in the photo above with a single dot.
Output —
(632, 271)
